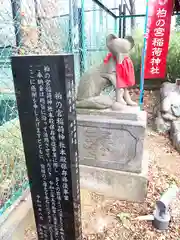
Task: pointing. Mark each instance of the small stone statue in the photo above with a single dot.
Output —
(168, 115)
(169, 104)
(116, 70)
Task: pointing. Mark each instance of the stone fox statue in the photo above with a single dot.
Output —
(117, 70)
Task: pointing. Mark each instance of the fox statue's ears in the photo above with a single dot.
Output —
(131, 40)
(111, 37)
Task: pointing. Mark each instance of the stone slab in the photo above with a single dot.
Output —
(116, 184)
(111, 143)
(175, 134)
(22, 216)
(129, 113)
(175, 126)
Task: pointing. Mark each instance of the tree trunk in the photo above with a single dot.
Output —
(132, 12)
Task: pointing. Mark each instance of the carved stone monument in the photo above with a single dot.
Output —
(111, 128)
(44, 87)
(168, 114)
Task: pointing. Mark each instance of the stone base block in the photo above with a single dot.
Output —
(115, 184)
(112, 140)
(129, 113)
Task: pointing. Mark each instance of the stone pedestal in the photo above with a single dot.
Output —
(111, 152)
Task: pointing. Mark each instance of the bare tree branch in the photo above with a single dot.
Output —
(132, 11)
(129, 9)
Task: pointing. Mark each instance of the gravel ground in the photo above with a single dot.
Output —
(110, 219)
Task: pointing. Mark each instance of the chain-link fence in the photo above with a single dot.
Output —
(38, 27)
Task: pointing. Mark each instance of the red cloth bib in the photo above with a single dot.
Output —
(125, 76)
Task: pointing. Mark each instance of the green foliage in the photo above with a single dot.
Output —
(8, 110)
(173, 59)
(177, 20)
(12, 163)
(136, 52)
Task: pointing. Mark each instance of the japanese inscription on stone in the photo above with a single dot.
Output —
(106, 147)
(45, 93)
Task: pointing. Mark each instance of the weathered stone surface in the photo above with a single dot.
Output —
(167, 88)
(170, 101)
(111, 143)
(116, 184)
(98, 102)
(175, 126)
(168, 116)
(175, 134)
(162, 126)
(129, 113)
(176, 108)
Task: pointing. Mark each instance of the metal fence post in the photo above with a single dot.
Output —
(115, 26)
(120, 21)
(94, 24)
(38, 19)
(81, 41)
(75, 25)
(70, 47)
(16, 10)
(124, 21)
